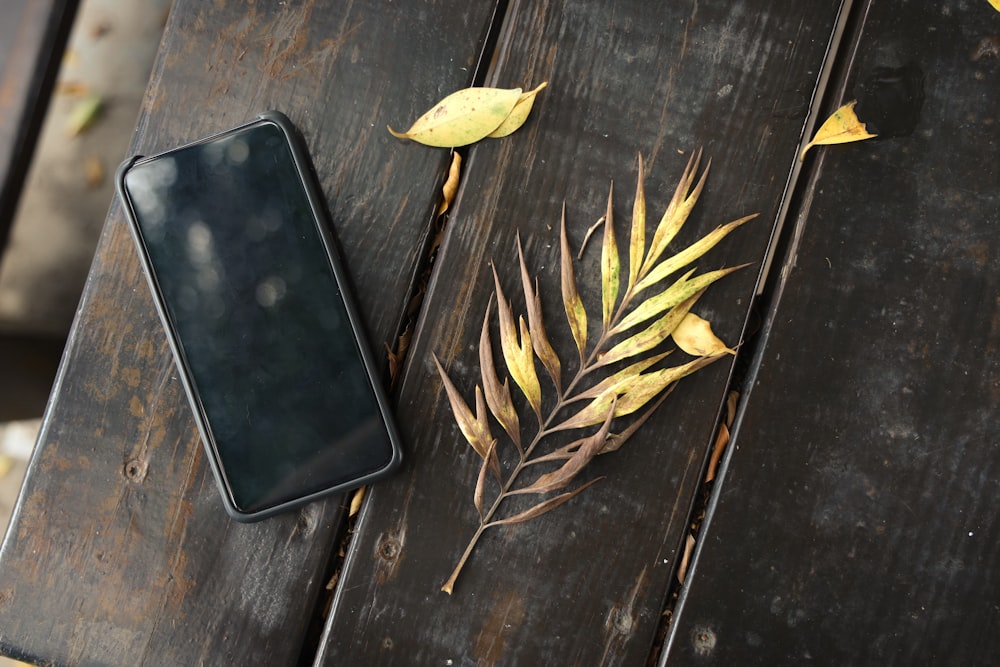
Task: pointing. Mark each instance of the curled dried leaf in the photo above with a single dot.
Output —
(515, 119)
(462, 118)
(450, 187)
(841, 127)
(694, 335)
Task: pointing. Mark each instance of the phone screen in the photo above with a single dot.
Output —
(248, 290)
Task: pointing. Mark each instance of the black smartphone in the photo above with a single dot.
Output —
(237, 249)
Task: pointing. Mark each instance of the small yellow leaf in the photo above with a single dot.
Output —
(450, 187)
(840, 128)
(996, 4)
(84, 113)
(518, 114)
(694, 335)
(462, 118)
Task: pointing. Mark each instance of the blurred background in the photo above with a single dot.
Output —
(86, 129)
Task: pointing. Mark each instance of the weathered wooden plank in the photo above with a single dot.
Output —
(120, 552)
(585, 584)
(857, 522)
(32, 36)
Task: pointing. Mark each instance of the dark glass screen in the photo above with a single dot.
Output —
(260, 324)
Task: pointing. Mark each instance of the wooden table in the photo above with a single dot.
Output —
(854, 519)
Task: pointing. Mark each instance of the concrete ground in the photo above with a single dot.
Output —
(62, 209)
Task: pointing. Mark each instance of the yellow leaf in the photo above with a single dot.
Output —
(694, 335)
(610, 265)
(840, 128)
(637, 242)
(996, 4)
(83, 114)
(359, 495)
(576, 314)
(462, 118)
(518, 114)
(450, 186)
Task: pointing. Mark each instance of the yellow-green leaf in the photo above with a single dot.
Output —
(83, 114)
(677, 211)
(651, 336)
(841, 127)
(518, 354)
(689, 254)
(670, 297)
(694, 335)
(637, 242)
(576, 314)
(610, 264)
(462, 118)
(615, 381)
(515, 119)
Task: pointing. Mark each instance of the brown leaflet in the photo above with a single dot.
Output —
(497, 395)
(470, 426)
(616, 440)
(543, 507)
(488, 460)
(560, 478)
(539, 339)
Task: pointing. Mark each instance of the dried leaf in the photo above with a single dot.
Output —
(610, 265)
(515, 119)
(462, 118)
(637, 241)
(356, 500)
(497, 396)
(685, 558)
(539, 339)
(518, 354)
(576, 314)
(670, 297)
(841, 127)
(588, 449)
(489, 461)
(614, 380)
(469, 425)
(450, 187)
(689, 254)
(694, 335)
(83, 115)
(616, 440)
(677, 211)
(652, 335)
(543, 507)
(93, 171)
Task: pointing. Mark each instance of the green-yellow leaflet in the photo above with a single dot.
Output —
(471, 114)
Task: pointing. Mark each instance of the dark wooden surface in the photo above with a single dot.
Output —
(119, 551)
(855, 521)
(33, 34)
(858, 523)
(585, 584)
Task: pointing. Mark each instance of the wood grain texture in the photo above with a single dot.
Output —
(120, 551)
(585, 584)
(857, 522)
(33, 34)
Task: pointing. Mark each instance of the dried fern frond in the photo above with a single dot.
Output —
(595, 395)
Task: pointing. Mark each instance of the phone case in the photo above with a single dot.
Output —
(308, 180)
